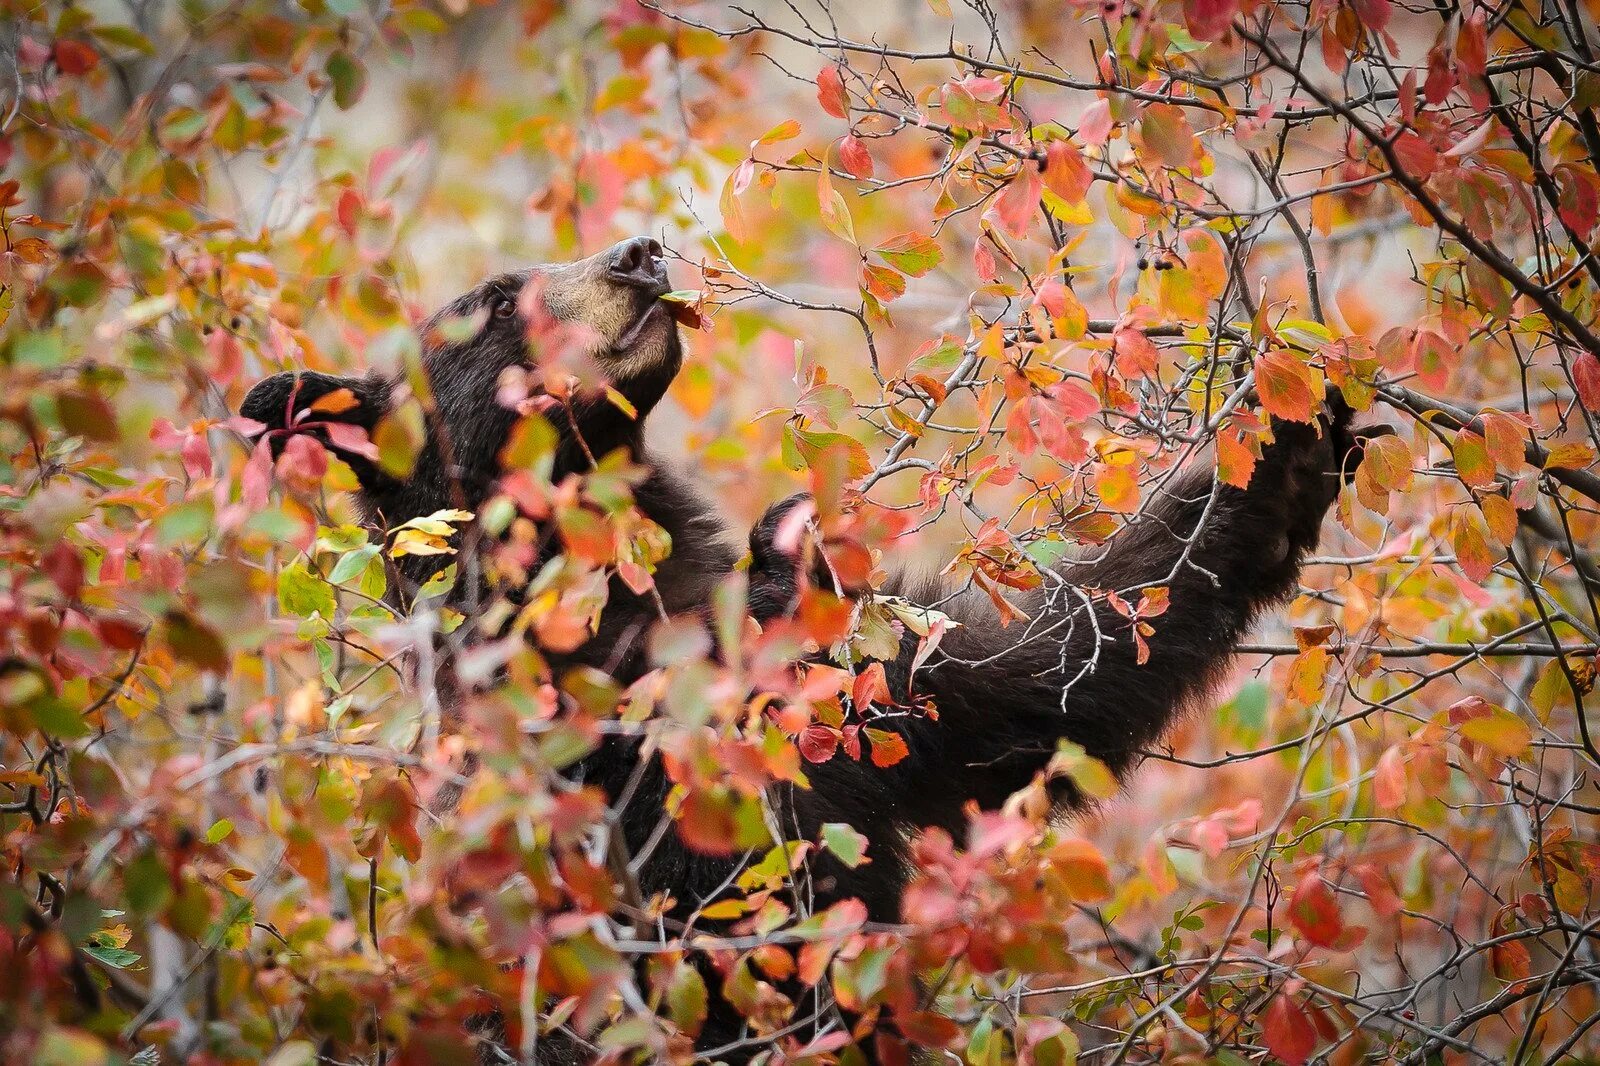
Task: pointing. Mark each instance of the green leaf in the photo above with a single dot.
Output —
(848, 845)
(400, 438)
(349, 78)
(57, 718)
(913, 254)
(145, 883)
(1089, 774)
(438, 584)
(116, 958)
(219, 831)
(303, 593)
(352, 563)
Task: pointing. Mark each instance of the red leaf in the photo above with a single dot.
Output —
(850, 741)
(1586, 374)
(1381, 896)
(1209, 19)
(1389, 779)
(256, 480)
(818, 743)
(304, 461)
(1417, 157)
(983, 262)
(65, 567)
(1314, 911)
(871, 686)
(1074, 401)
(74, 57)
(196, 456)
(1094, 125)
(1134, 353)
(1441, 76)
(1580, 198)
(1374, 13)
(830, 92)
(1287, 1031)
(854, 157)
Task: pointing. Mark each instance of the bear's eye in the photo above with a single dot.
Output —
(503, 308)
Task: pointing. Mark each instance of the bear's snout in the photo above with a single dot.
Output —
(637, 262)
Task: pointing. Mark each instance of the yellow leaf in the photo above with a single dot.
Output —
(1500, 731)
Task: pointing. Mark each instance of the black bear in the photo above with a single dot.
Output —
(1005, 697)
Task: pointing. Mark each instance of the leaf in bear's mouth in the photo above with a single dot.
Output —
(685, 307)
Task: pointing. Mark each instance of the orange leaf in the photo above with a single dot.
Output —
(1287, 387)
(336, 402)
(1065, 172)
(1472, 460)
(1381, 896)
(74, 57)
(1015, 206)
(1473, 553)
(871, 686)
(887, 748)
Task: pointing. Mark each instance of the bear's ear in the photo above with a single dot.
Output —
(285, 401)
(324, 406)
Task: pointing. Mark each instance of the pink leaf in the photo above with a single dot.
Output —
(347, 437)
(1094, 126)
(1015, 206)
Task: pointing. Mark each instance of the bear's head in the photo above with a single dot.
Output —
(488, 354)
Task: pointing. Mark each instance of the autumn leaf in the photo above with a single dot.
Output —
(818, 743)
(1586, 375)
(1500, 731)
(849, 846)
(855, 158)
(1288, 388)
(830, 92)
(1287, 1031)
(1065, 172)
(74, 58)
(1314, 910)
(835, 212)
(1473, 462)
(1165, 131)
(1209, 19)
(913, 254)
(1389, 779)
(888, 748)
(1018, 202)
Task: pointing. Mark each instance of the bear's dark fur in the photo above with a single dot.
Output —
(1005, 697)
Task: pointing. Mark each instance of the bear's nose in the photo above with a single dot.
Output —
(637, 261)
